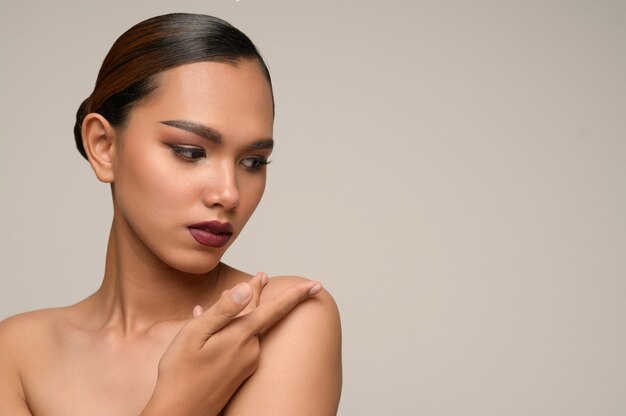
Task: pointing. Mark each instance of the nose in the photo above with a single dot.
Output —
(222, 189)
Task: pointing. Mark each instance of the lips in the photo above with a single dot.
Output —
(211, 233)
(214, 226)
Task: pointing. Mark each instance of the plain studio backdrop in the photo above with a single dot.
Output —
(454, 172)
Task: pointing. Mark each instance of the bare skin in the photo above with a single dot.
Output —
(103, 355)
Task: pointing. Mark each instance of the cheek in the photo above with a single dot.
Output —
(251, 191)
(150, 188)
(258, 191)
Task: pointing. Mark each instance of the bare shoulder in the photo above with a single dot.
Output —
(21, 329)
(37, 332)
(322, 305)
(318, 313)
(299, 369)
(278, 284)
(22, 337)
(33, 332)
(16, 339)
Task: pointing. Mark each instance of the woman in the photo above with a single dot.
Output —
(180, 124)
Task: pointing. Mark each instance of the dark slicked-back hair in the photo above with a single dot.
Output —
(128, 73)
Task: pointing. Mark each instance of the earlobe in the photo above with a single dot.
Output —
(99, 141)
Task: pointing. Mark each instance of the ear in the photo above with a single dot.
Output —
(100, 143)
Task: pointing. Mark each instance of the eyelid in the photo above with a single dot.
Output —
(261, 160)
(178, 150)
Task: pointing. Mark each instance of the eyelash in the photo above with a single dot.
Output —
(196, 153)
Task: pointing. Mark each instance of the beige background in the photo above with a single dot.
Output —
(453, 171)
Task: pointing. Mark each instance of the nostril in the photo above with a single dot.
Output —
(225, 195)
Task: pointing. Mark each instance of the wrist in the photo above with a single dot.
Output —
(170, 404)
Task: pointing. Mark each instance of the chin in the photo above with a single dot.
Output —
(200, 263)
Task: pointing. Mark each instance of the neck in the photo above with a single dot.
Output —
(139, 290)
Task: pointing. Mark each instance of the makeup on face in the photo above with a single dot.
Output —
(192, 168)
(211, 233)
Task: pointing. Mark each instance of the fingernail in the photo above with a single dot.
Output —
(264, 279)
(240, 293)
(315, 289)
(197, 311)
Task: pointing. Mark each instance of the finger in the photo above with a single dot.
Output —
(269, 313)
(257, 283)
(229, 305)
(197, 311)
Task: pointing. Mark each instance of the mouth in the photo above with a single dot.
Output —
(211, 233)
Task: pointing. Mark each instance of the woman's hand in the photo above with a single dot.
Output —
(218, 349)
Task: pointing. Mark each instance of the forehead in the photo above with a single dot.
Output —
(222, 95)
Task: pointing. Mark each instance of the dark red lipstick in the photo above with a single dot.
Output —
(211, 233)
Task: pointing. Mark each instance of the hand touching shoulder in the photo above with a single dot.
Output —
(299, 371)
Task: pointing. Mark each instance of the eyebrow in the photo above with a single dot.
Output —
(196, 128)
(213, 135)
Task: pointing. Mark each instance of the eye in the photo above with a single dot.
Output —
(255, 163)
(191, 154)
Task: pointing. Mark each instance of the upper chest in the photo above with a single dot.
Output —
(93, 373)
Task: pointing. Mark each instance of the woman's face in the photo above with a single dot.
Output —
(194, 152)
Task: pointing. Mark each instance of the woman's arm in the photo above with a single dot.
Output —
(218, 349)
(12, 400)
(202, 368)
(299, 370)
